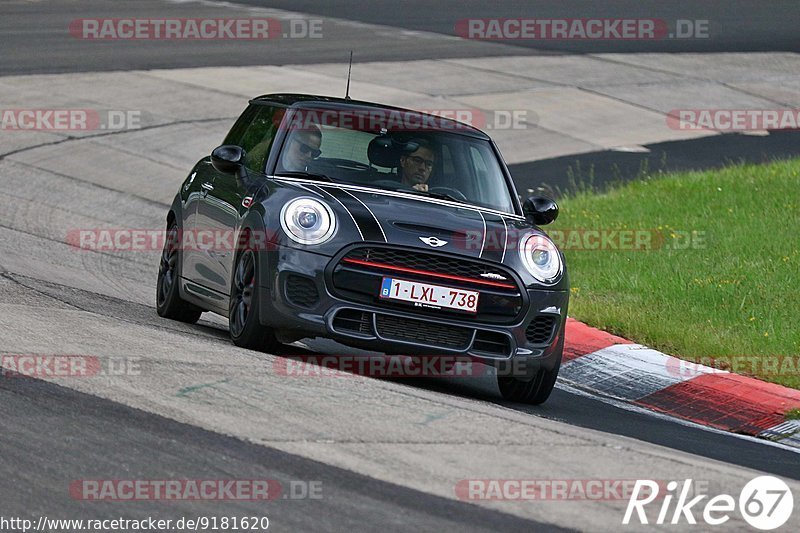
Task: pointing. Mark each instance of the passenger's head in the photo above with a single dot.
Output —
(301, 147)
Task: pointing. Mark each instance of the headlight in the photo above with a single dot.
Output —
(308, 221)
(540, 256)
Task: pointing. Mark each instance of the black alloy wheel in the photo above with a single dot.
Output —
(244, 322)
(169, 303)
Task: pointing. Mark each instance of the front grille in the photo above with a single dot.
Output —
(357, 276)
(350, 320)
(423, 332)
(301, 291)
(540, 330)
(447, 268)
(492, 342)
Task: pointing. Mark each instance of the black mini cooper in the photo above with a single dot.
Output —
(379, 227)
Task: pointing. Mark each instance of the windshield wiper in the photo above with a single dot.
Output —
(304, 174)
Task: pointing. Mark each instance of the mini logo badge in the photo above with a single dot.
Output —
(247, 201)
(433, 241)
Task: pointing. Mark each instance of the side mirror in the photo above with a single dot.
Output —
(228, 158)
(540, 210)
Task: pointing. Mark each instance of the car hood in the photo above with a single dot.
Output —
(424, 222)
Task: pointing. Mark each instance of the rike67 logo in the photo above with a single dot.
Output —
(765, 503)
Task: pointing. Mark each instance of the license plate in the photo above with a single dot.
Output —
(431, 296)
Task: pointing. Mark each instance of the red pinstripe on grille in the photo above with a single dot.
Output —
(429, 273)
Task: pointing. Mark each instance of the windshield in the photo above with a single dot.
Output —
(425, 160)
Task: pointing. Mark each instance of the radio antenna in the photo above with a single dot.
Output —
(349, 69)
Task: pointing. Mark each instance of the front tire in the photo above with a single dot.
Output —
(243, 313)
(168, 299)
(535, 391)
(531, 389)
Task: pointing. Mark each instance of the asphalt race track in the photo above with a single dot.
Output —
(385, 454)
(36, 43)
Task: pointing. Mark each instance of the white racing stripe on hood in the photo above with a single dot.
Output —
(326, 193)
(400, 194)
(483, 242)
(505, 241)
(370, 212)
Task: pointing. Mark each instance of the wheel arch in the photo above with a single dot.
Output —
(253, 223)
(266, 261)
(174, 212)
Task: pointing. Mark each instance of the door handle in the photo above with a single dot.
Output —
(207, 186)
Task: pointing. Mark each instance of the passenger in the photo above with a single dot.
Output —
(415, 168)
(301, 148)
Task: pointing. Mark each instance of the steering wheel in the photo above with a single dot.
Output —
(455, 193)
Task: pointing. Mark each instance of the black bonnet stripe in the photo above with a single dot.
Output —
(496, 236)
(323, 192)
(364, 219)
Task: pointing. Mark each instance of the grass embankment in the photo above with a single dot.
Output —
(719, 277)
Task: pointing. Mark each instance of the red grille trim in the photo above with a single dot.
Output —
(429, 273)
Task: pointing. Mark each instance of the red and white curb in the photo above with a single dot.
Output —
(610, 366)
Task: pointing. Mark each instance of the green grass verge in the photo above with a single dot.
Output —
(721, 276)
(793, 414)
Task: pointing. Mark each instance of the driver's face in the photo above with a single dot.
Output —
(417, 166)
(302, 148)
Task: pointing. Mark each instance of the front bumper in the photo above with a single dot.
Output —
(296, 299)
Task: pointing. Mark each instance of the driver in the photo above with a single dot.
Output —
(302, 146)
(415, 168)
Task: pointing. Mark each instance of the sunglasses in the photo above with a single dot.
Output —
(307, 149)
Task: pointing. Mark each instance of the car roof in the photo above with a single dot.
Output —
(310, 101)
